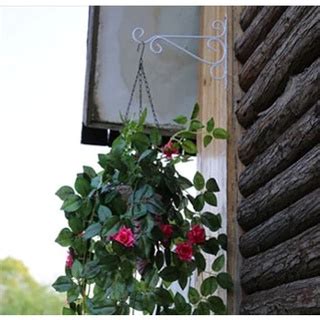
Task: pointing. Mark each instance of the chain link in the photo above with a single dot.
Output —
(141, 76)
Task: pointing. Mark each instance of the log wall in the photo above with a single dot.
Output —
(279, 109)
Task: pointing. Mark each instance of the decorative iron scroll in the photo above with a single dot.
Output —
(215, 42)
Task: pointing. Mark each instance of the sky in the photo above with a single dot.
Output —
(42, 70)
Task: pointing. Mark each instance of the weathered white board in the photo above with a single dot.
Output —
(113, 62)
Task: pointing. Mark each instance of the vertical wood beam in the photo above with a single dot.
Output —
(220, 159)
(234, 165)
(211, 161)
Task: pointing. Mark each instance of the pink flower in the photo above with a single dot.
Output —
(184, 251)
(196, 234)
(167, 230)
(125, 237)
(169, 149)
(69, 261)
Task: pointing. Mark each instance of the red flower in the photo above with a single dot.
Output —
(167, 230)
(184, 251)
(125, 237)
(69, 261)
(169, 149)
(196, 234)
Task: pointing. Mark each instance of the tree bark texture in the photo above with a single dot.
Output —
(257, 31)
(247, 15)
(275, 38)
(294, 259)
(284, 225)
(299, 297)
(299, 50)
(283, 190)
(287, 149)
(300, 94)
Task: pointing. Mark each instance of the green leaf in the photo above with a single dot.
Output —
(152, 278)
(195, 112)
(208, 286)
(159, 259)
(64, 192)
(155, 137)
(198, 202)
(193, 295)
(82, 186)
(223, 241)
(143, 117)
(184, 183)
(211, 221)
(212, 185)
(181, 120)
(110, 226)
(145, 154)
(220, 133)
(71, 203)
(65, 237)
(89, 172)
(75, 224)
(104, 213)
(68, 312)
(140, 141)
(207, 140)
(218, 263)
(106, 307)
(62, 284)
(211, 246)
(189, 147)
(110, 262)
(217, 305)
(179, 301)
(224, 280)
(196, 125)
(92, 230)
(91, 269)
(198, 181)
(76, 269)
(210, 125)
(203, 308)
(170, 274)
(96, 182)
(73, 294)
(200, 262)
(183, 280)
(163, 297)
(210, 198)
(187, 134)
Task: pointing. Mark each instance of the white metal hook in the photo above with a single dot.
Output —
(220, 39)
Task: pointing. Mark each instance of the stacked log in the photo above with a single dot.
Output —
(247, 15)
(275, 38)
(284, 189)
(299, 49)
(257, 31)
(287, 149)
(284, 225)
(299, 297)
(280, 210)
(292, 260)
(300, 94)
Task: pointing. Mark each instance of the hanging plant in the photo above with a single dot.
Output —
(134, 229)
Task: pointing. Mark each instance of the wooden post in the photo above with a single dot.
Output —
(213, 103)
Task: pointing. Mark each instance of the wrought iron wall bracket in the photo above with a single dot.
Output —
(216, 43)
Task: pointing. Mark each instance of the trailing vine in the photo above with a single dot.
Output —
(134, 228)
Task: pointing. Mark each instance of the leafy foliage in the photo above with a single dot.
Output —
(20, 294)
(136, 215)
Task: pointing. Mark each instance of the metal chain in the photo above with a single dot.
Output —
(141, 76)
